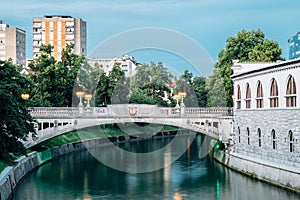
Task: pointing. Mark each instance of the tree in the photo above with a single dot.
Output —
(184, 84)
(117, 88)
(56, 82)
(246, 46)
(15, 120)
(216, 91)
(154, 79)
(199, 86)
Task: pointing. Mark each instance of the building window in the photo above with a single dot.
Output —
(239, 134)
(259, 137)
(291, 92)
(273, 136)
(238, 101)
(248, 135)
(291, 141)
(274, 94)
(248, 96)
(259, 96)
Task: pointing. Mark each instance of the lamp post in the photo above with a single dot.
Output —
(25, 96)
(182, 95)
(177, 98)
(80, 105)
(80, 95)
(88, 98)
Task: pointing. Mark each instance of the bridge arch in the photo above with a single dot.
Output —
(214, 122)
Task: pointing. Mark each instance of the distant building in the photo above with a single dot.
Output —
(294, 46)
(58, 31)
(12, 44)
(127, 64)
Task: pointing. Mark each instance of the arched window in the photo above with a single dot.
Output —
(291, 92)
(238, 101)
(259, 137)
(248, 135)
(239, 134)
(273, 136)
(248, 96)
(259, 96)
(274, 94)
(291, 141)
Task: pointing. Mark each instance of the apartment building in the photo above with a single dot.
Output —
(59, 30)
(12, 44)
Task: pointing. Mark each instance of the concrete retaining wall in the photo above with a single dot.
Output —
(10, 177)
(279, 175)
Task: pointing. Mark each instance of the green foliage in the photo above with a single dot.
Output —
(118, 89)
(101, 92)
(199, 84)
(54, 81)
(151, 80)
(140, 96)
(194, 87)
(216, 91)
(15, 121)
(250, 46)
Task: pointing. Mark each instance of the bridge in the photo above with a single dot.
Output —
(215, 122)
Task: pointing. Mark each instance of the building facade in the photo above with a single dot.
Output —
(267, 112)
(12, 44)
(127, 64)
(294, 46)
(59, 31)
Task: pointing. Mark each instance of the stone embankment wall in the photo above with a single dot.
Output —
(280, 175)
(11, 176)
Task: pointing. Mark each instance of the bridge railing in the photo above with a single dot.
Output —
(128, 110)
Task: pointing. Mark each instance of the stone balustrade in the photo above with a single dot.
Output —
(128, 110)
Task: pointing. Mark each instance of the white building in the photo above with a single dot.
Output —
(127, 64)
(267, 111)
(12, 44)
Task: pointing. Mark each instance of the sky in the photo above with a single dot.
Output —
(209, 23)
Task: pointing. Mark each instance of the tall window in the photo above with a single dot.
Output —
(239, 134)
(273, 136)
(259, 96)
(274, 94)
(238, 101)
(259, 137)
(248, 96)
(291, 92)
(248, 135)
(291, 141)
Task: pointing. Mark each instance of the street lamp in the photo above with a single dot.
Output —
(182, 95)
(177, 98)
(80, 95)
(25, 96)
(88, 98)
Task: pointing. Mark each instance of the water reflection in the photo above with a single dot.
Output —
(81, 176)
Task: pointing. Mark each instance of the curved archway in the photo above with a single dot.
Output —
(248, 96)
(248, 136)
(259, 136)
(291, 141)
(291, 92)
(273, 138)
(238, 101)
(273, 94)
(259, 96)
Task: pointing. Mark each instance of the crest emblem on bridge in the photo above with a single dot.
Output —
(132, 111)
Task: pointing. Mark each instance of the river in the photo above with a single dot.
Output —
(82, 176)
